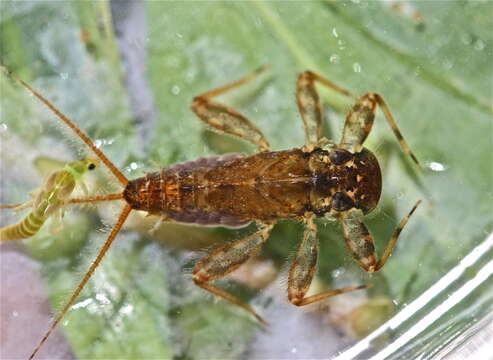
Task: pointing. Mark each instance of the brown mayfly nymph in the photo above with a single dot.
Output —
(341, 181)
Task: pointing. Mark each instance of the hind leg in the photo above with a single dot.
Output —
(226, 119)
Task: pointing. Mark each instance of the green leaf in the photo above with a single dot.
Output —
(435, 77)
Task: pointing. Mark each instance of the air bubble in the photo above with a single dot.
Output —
(82, 304)
(127, 309)
(175, 90)
(436, 166)
(335, 59)
(103, 299)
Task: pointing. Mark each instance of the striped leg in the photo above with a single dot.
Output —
(226, 119)
(303, 269)
(360, 244)
(225, 260)
(309, 104)
(359, 122)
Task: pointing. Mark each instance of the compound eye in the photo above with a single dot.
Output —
(340, 156)
(91, 166)
(341, 202)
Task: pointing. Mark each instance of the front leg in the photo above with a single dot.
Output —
(309, 105)
(359, 123)
(360, 244)
(303, 269)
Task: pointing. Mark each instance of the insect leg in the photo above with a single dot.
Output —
(359, 122)
(303, 269)
(107, 197)
(309, 104)
(224, 260)
(87, 276)
(360, 244)
(17, 207)
(226, 119)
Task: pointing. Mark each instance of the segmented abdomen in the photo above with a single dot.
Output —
(25, 228)
(227, 191)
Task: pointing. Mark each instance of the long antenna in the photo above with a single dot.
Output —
(121, 219)
(117, 173)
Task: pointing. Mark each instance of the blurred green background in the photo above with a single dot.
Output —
(434, 70)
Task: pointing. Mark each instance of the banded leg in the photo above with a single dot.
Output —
(225, 260)
(226, 119)
(359, 121)
(360, 244)
(309, 104)
(303, 269)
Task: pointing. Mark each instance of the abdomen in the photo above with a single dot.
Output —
(229, 191)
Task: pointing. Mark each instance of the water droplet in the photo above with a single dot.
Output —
(395, 302)
(335, 59)
(479, 45)
(337, 272)
(64, 76)
(466, 38)
(334, 32)
(101, 142)
(436, 166)
(342, 44)
(127, 309)
(134, 166)
(103, 299)
(82, 304)
(175, 90)
(15, 313)
(357, 67)
(294, 350)
(179, 36)
(3, 127)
